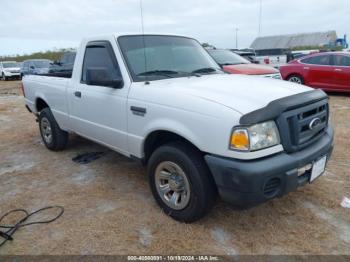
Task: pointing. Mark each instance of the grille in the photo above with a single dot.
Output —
(272, 187)
(296, 128)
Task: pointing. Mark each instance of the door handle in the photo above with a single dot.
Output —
(338, 70)
(139, 111)
(77, 94)
(306, 68)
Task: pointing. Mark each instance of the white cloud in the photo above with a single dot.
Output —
(31, 25)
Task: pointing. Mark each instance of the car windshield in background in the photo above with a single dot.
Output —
(10, 65)
(227, 57)
(154, 57)
(41, 64)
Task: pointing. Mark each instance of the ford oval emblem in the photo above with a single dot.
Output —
(314, 123)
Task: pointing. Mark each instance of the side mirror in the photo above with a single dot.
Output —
(32, 67)
(102, 77)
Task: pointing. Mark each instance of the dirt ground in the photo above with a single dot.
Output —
(109, 208)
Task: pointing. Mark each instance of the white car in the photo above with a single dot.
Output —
(273, 60)
(10, 69)
(163, 100)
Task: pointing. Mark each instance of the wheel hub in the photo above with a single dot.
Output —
(172, 185)
(46, 130)
(176, 183)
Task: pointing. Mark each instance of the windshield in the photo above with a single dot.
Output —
(41, 64)
(10, 64)
(226, 57)
(159, 57)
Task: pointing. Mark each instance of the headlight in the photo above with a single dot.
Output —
(277, 76)
(255, 137)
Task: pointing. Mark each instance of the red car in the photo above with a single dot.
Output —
(329, 71)
(235, 64)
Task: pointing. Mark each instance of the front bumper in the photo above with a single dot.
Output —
(12, 75)
(244, 184)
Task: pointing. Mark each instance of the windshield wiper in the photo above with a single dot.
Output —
(205, 70)
(167, 73)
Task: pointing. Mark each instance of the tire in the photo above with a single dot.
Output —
(296, 79)
(4, 77)
(54, 138)
(194, 175)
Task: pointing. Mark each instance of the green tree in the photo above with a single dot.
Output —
(207, 45)
(50, 54)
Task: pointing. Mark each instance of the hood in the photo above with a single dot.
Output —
(250, 69)
(241, 93)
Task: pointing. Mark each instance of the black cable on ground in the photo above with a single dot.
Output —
(11, 229)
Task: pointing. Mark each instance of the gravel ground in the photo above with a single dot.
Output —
(109, 208)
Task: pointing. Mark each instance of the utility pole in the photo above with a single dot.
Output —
(236, 37)
(260, 16)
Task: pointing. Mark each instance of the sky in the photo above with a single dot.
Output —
(37, 25)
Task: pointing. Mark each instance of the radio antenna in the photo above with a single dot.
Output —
(143, 36)
(141, 11)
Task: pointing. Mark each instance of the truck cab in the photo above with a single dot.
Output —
(163, 100)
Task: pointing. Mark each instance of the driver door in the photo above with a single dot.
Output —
(98, 112)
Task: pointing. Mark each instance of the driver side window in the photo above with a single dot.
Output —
(101, 62)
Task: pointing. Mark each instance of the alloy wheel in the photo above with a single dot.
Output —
(172, 185)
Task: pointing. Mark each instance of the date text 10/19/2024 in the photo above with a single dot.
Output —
(173, 258)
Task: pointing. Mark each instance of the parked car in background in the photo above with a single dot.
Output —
(272, 60)
(249, 55)
(329, 71)
(9, 70)
(64, 66)
(35, 67)
(232, 63)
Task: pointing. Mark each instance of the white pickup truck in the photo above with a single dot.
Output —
(163, 100)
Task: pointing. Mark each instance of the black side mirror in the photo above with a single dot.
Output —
(32, 67)
(101, 77)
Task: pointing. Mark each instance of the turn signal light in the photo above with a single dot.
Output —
(240, 140)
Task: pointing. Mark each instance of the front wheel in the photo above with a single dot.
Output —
(52, 135)
(181, 182)
(296, 79)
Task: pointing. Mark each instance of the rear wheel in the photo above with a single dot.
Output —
(296, 79)
(52, 135)
(181, 182)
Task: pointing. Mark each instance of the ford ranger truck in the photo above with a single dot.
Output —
(163, 100)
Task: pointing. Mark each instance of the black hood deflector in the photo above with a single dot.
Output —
(277, 107)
